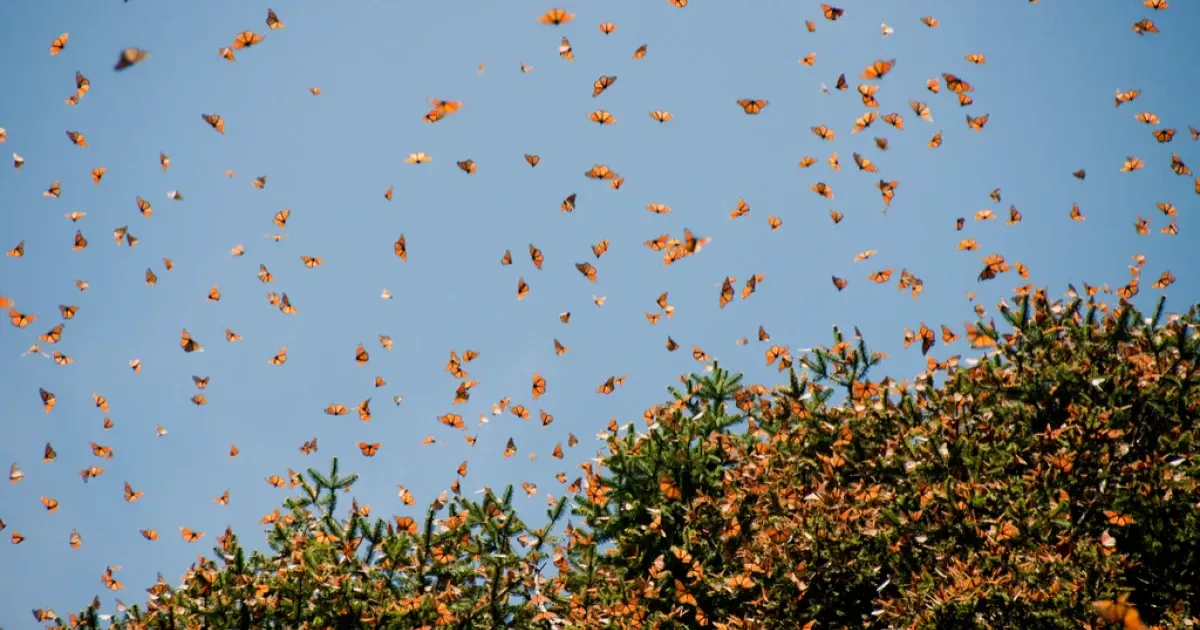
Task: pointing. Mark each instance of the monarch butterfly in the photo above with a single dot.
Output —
(600, 171)
(259, 182)
(864, 121)
(560, 349)
(977, 123)
(368, 450)
(80, 241)
(535, 255)
(823, 189)
(601, 84)
(824, 133)
(522, 288)
(1132, 164)
(77, 139)
(806, 162)
(726, 291)
(187, 343)
(587, 270)
(54, 335)
(401, 248)
(832, 13)
(640, 52)
(285, 305)
(539, 386)
(895, 120)
(607, 27)
(607, 386)
(976, 58)
(864, 164)
(315, 91)
(602, 117)
(808, 24)
(1076, 215)
(751, 106)
(388, 194)
(930, 21)
(880, 277)
(1141, 27)
(226, 53)
(1165, 280)
(752, 284)
(955, 84)
(878, 69)
(1178, 166)
(841, 83)
(361, 356)
(600, 248)
(189, 535)
(214, 294)
(273, 20)
(661, 116)
(215, 121)
(556, 17)
(868, 93)
(809, 59)
(59, 44)
(1164, 135)
(130, 57)
(246, 39)
(467, 166)
(564, 50)
(743, 208)
(17, 251)
(1125, 97)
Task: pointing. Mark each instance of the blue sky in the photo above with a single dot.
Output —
(1048, 84)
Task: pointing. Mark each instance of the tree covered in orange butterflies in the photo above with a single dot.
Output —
(1053, 481)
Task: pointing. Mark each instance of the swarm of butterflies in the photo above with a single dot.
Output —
(867, 84)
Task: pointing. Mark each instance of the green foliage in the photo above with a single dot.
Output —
(1013, 489)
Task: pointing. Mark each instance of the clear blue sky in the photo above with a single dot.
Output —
(1048, 84)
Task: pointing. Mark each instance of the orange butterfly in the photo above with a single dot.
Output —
(59, 44)
(556, 17)
(751, 106)
(246, 39)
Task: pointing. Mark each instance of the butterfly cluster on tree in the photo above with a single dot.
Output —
(1053, 479)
